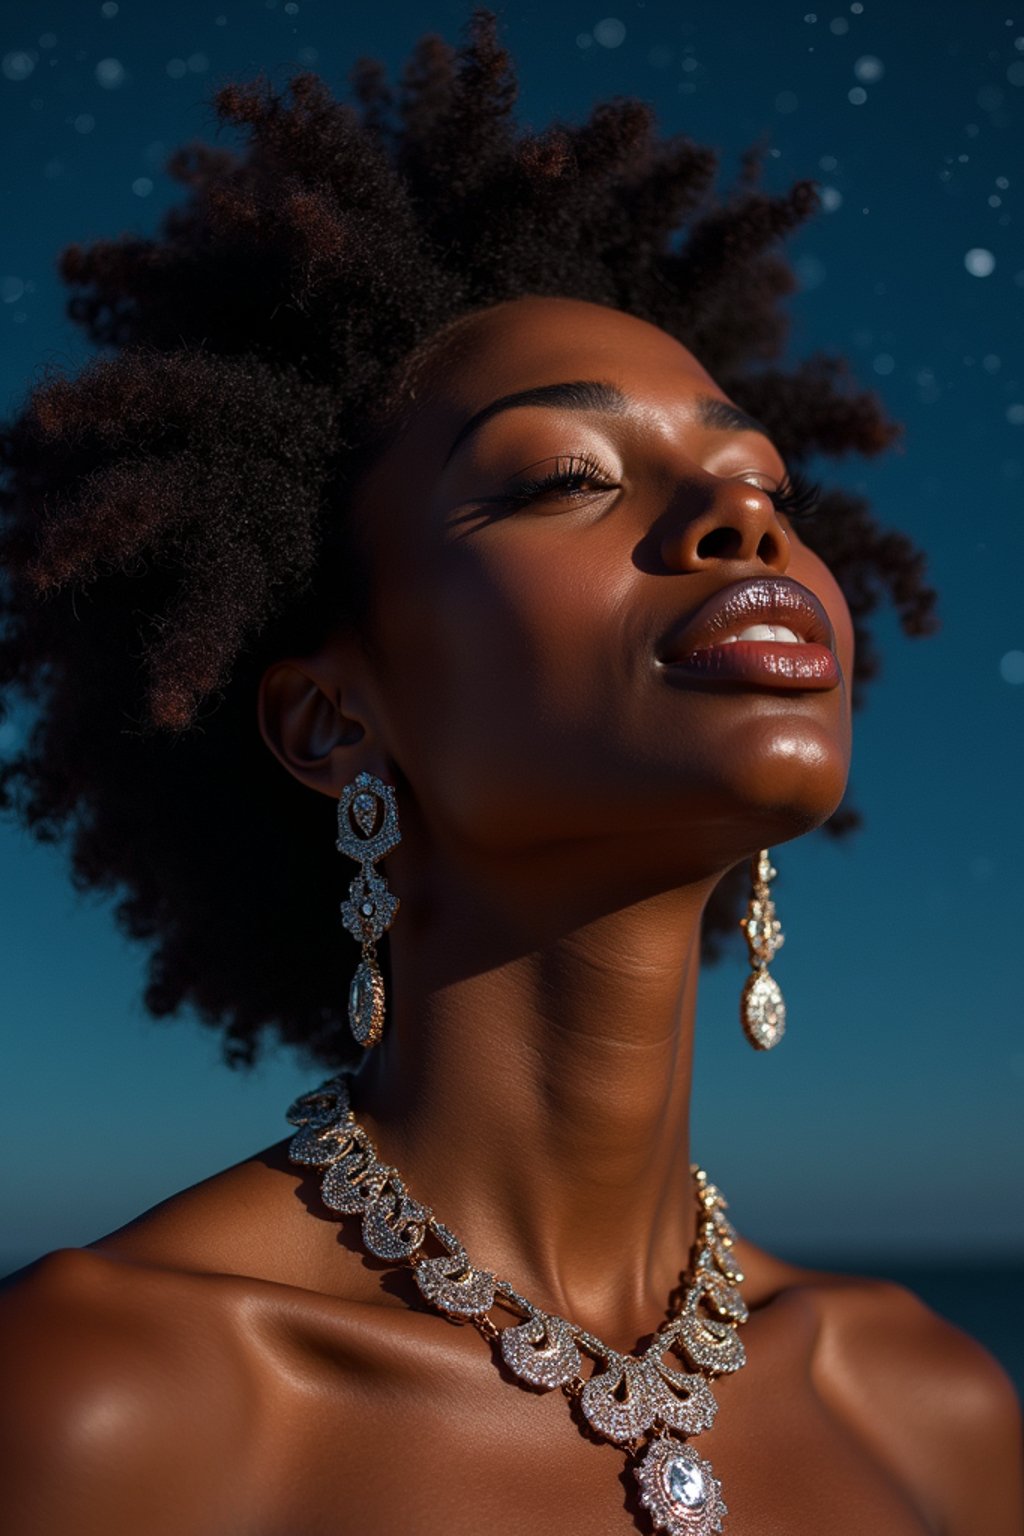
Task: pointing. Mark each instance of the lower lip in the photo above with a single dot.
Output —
(769, 664)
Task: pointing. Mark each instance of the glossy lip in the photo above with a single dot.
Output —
(697, 646)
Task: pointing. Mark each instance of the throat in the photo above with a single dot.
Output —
(541, 1109)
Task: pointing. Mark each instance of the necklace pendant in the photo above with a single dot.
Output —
(679, 1489)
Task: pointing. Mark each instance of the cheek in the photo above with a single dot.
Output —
(500, 660)
(464, 640)
(516, 603)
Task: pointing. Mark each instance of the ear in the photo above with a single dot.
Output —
(313, 716)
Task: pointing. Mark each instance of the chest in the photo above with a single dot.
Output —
(454, 1443)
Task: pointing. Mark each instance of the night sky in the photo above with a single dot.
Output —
(889, 1120)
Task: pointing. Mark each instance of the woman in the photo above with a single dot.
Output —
(426, 451)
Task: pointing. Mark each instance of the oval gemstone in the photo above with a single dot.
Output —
(684, 1483)
(365, 1005)
(763, 1010)
(357, 998)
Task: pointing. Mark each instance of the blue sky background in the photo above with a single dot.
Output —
(889, 1120)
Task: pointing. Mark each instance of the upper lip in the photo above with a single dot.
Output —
(760, 600)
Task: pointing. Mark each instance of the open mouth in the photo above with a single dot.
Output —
(769, 631)
(779, 632)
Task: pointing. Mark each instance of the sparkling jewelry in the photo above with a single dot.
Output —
(635, 1400)
(762, 1006)
(367, 830)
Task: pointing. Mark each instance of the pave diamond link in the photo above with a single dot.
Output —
(708, 1342)
(683, 1403)
(621, 1418)
(394, 1226)
(322, 1106)
(350, 1184)
(455, 1286)
(718, 1290)
(541, 1351)
(319, 1146)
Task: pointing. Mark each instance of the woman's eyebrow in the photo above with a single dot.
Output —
(598, 395)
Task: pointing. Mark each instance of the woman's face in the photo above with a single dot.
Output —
(522, 636)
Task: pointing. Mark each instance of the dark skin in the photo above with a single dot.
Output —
(232, 1361)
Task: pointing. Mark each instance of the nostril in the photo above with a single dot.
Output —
(720, 544)
(769, 549)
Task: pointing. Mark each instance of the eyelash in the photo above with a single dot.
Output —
(581, 467)
(795, 497)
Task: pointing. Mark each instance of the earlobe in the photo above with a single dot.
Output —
(304, 725)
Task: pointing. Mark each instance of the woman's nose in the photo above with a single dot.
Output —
(739, 524)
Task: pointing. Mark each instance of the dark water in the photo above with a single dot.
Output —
(986, 1301)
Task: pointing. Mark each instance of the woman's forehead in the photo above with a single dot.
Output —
(535, 340)
(529, 344)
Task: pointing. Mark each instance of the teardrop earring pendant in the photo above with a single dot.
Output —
(367, 830)
(762, 1006)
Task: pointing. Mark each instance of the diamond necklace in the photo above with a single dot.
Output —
(635, 1400)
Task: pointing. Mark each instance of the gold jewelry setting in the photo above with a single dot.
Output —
(637, 1401)
(367, 830)
(762, 1006)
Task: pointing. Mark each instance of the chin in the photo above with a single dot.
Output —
(800, 793)
(785, 779)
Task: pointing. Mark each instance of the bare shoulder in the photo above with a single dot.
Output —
(143, 1369)
(931, 1401)
(119, 1382)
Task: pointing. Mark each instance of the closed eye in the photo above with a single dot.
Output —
(579, 475)
(796, 496)
(572, 478)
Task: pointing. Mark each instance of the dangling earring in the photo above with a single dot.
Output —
(367, 830)
(762, 1007)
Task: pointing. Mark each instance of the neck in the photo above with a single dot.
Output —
(534, 1090)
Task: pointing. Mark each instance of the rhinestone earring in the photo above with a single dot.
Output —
(762, 1006)
(367, 830)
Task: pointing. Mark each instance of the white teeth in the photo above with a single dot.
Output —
(764, 632)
